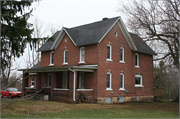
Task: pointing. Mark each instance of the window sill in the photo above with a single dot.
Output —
(30, 88)
(65, 64)
(137, 66)
(84, 89)
(109, 89)
(81, 62)
(121, 62)
(139, 86)
(121, 89)
(61, 89)
(51, 64)
(109, 60)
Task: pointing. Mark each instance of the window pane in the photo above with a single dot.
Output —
(137, 80)
(136, 60)
(32, 79)
(32, 83)
(108, 52)
(121, 54)
(121, 81)
(82, 80)
(52, 58)
(108, 80)
(82, 54)
(66, 56)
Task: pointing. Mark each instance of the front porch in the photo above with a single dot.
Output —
(64, 85)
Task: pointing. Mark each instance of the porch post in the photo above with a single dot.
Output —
(38, 81)
(73, 84)
(53, 84)
(24, 83)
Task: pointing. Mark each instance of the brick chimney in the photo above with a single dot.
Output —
(105, 18)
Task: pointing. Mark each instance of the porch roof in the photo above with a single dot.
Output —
(38, 68)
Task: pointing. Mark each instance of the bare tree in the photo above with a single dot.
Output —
(157, 21)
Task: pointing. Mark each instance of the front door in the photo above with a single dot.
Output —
(65, 80)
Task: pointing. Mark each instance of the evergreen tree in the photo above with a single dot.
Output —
(15, 32)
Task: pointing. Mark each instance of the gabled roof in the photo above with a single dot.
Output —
(47, 46)
(93, 33)
(141, 46)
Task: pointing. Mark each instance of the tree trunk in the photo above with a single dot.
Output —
(177, 98)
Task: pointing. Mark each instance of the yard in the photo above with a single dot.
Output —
(48, 109)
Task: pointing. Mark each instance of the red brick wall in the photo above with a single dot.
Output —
(73, 54)
(146, 70)
(128, 68)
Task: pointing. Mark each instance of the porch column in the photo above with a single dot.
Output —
(43, 79)
(53, 84)
(38, 81)
(24, 83)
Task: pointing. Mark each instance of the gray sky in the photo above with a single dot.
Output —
(71, 13)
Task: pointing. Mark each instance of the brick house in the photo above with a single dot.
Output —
(101, 59)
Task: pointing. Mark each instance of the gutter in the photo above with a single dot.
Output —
(74, 84)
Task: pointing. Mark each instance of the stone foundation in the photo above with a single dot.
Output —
(126, 99)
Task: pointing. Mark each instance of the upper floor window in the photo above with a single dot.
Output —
(109, 52)
(116, 33)
(138, 81)
(52, 58)
(32, 81)
(122, 54)
(121, 82)
(65, 56)
(66, 39)
(82, 55)
(48, 80)
(137, 60)
(81, 80)
(108, 81)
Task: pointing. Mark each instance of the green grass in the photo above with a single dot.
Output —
(48, 109)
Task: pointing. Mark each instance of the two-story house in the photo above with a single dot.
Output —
(101, 59)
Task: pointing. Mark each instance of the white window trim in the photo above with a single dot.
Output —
(80, 80)
(137, 66)
(123, 82)
(141, 82)
(110, 59)
(48, 81)
(84, 89)
(51, 64)
(65, 63)
(32, 86)
(61, 89)
(122, 61)
(110, 88)
(80, 61)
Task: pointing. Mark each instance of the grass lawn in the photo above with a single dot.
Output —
(48, 109)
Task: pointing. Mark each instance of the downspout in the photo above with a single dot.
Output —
(74, 84)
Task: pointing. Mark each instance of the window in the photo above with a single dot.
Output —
(82, 55)
(81, 80)
(116, 33)
(108, 83)
(52, 58)
(49, 80)
(138, 81)
(137, 60)
(122, 55)
(65, 80)
(121, 82)
(66, 39)
(109, 52)
(65, 56)
(32, 81)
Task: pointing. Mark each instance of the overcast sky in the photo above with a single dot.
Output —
(71, 13)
